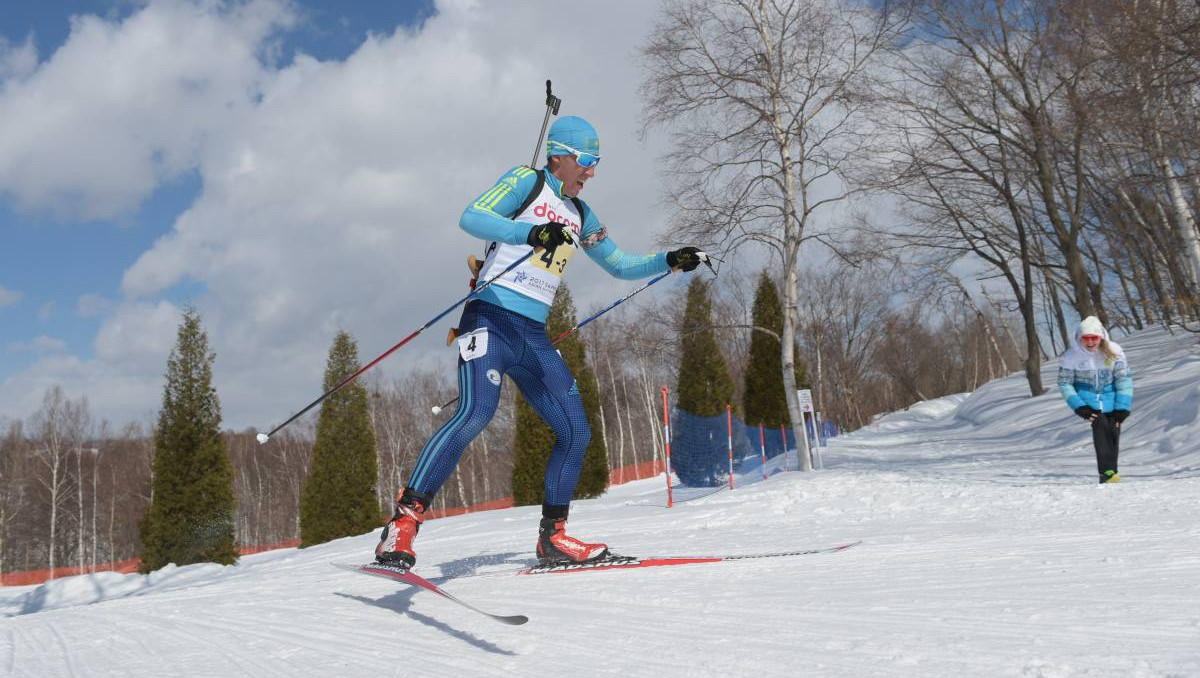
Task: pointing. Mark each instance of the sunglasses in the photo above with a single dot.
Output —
(585, 160)
(1090, 337)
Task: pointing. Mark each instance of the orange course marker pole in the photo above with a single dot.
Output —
(762, 446)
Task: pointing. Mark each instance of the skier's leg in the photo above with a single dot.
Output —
(551, 390)
(479, 380)
(479, 395)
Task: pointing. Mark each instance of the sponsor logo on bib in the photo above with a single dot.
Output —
(546, 212)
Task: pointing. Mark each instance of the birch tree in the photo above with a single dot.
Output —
(60, 427)
(768, 107)
(1147, 166)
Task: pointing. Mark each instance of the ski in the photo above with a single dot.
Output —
(619, 562)
(406, 576)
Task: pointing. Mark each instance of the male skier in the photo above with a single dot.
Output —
(503, 331)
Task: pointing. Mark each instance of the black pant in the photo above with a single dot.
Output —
(1106, 434)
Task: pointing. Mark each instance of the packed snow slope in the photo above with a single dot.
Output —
(988, 550)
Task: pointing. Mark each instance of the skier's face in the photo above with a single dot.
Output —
(1090, 341)
(572, 175)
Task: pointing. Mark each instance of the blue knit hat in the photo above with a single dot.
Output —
(575, 132)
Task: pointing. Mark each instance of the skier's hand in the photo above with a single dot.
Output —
(1119, 416)
(1087, 413)
(549, 235)
(686, 259)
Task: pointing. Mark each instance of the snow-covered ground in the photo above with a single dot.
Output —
(988, 550)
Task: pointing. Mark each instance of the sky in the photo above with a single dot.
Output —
(290, 168)
(988, 550)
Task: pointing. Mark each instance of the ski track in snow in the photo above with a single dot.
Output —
(988, 551)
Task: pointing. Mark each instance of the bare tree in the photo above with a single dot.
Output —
(1159, 57)
(61, 426)
(1015, 99)
(998, 138)
(13, 487)
(1146, 101)
(844, 318)
(768, 105)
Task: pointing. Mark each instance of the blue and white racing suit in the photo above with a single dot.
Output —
(503, 329)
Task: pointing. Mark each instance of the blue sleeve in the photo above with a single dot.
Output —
(1066, 386)
(485, 217)
(1123, 385)
(605, 252)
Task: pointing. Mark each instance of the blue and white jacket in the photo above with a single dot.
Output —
(1095, 379)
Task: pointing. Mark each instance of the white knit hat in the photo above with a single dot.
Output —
(1091, 325)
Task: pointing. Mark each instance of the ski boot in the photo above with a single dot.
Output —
(554, 547)
(395, 544)
(1109, 477)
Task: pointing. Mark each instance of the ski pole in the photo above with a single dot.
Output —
(264, 437)
(438, 408)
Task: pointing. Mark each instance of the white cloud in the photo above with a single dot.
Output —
(45, 344)
(9, 297)
(92, 305)
(333, 202)
(16, 61)
(39, 344)
(124, 380)
(46, 311)
(138, 336)
(113, 393)
(123, 105)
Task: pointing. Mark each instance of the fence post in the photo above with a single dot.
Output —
(667, 443)
(783, 434)
(817, 437)
(729, 438)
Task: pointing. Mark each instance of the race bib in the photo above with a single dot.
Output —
(473, 344)
(553, 260)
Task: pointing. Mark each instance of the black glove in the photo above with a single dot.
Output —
(1118, 415)
(1086, 412)
(549, 235)
(686, 258)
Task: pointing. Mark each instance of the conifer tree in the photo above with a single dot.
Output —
(764, 400)
(338, 497)
(534, 438)
(704, 389)
(191, 516)
(705, 386)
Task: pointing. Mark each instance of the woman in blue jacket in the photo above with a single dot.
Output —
(1095, 380)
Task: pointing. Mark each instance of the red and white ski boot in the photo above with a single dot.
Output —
(555, 547)
(395, 544)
